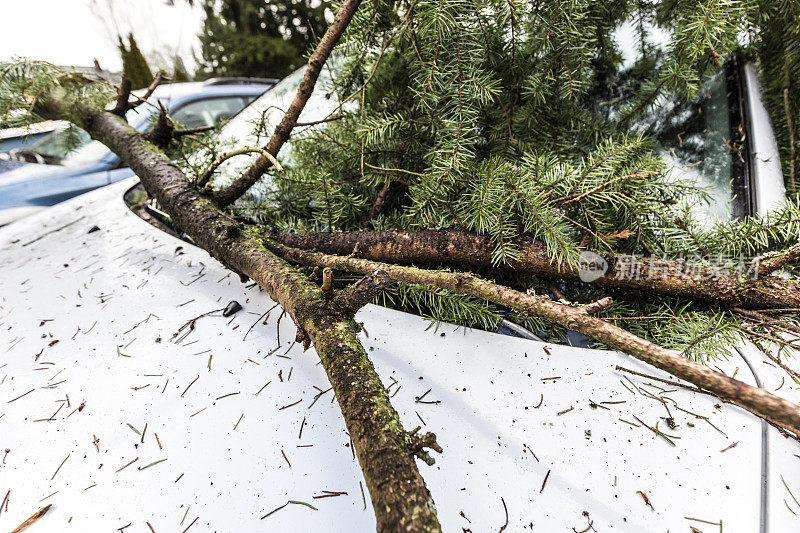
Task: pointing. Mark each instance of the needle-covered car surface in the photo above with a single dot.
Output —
(126, 397)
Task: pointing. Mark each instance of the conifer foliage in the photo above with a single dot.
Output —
(478, 149)
(498, 118)
(258, 38)
(134, 64)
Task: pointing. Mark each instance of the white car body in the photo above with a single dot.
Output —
(540, 436)
(513, 412)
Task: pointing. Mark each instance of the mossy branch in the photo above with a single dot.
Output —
(755, 400)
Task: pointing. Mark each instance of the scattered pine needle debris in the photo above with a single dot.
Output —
(127, 465)
(152, 464)
(330, 494)
(30, 521)
(190, 525)
(646, 499)
(544, 482)
(295, 502)
(290, 405)
(57, 469)
(226, 395)
(190, 384)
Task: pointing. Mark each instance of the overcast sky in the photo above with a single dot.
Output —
(75, 32)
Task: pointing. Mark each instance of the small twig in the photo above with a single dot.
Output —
(314, 123)
(544, 482)
(192, 131)
(504, 526)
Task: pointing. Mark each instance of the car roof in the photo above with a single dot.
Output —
(179, 91)
(116, 415)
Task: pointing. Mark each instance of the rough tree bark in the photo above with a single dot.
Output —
(755, 400)
(469, 250)
(386, 452)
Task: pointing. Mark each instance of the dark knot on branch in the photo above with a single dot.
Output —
(420, 443)
(302, 337)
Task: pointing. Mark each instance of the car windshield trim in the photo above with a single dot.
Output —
(742, 178)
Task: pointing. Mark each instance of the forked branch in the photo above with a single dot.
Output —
(753, 399)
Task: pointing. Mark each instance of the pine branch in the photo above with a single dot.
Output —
(667, 277)
(400, 499)
(283, 130)
(578, 319)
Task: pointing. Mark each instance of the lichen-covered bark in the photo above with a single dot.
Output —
(756, 400)
(470, 250)
(385, 451)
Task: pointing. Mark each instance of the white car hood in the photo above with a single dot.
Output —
(91, 316)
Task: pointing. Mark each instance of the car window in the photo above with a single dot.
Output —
(208, 112)
(694, 140)
(254, 125)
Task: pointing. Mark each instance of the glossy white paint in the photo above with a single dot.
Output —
(770, 189)
(113, 300)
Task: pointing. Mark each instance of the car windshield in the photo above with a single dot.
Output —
(692, 137)
(74, 147)
(254, 125)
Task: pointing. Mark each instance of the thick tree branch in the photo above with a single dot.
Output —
(283, 130)
(578, 319)
(384, 449)
(462, 249)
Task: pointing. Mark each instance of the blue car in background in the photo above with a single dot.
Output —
(49, 172)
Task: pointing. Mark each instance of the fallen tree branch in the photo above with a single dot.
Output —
(452, 247)
(283, 130)
(755, 400)
(123, 104)
(384, 449)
